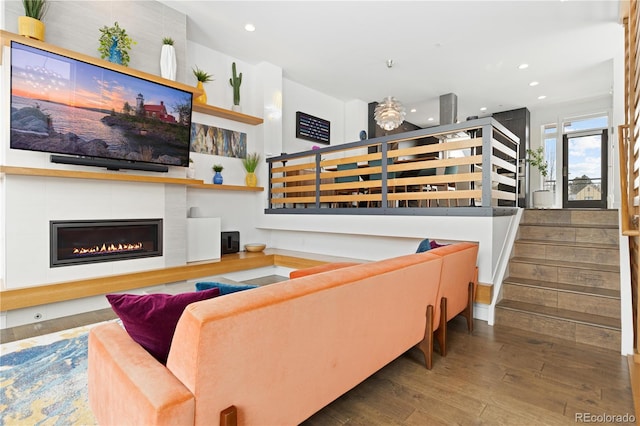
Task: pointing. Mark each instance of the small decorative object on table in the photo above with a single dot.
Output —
(30, 25)
(250, 163)
(115, 44)
(235, 81)
(168, 64)
(254, 247)
(202, 77)
(217, 177)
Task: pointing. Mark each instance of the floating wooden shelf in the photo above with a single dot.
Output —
(228, 114)
(70, 290)
(201, 185)
(73, 174)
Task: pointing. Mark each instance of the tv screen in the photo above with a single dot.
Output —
(66, 106)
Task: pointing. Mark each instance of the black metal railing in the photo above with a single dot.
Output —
(467, 169)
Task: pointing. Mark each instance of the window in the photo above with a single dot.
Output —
(550, 134)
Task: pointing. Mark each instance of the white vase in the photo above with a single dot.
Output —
(168, 62)
(543, 199)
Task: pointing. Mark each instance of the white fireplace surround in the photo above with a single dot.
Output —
(27, 237)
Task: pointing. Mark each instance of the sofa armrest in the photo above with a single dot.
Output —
(127, 386)
(320, 268)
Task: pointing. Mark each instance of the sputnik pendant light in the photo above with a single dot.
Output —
(389, 114)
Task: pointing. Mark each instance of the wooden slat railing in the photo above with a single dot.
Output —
(440, 167)
(629, 167)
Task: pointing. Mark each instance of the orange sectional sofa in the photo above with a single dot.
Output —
(273, 355)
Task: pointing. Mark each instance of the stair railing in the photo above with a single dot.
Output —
(628, 145)
(629, 221)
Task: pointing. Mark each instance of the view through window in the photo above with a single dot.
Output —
(584, 158)
(584, 155)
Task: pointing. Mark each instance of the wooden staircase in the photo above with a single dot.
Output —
(564, 278)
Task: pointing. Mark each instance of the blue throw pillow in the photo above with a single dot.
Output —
(224, 288)
(425, 245)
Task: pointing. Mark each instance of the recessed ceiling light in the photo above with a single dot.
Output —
(542, 97)
(483, 109)
(413, 110)
(250, 27)
(523, 66)
(533, 83)
(430, 119)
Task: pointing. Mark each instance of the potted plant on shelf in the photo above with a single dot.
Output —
(168, 59)
(202, 77)
(115, 44)
(217, 177)
(235, 81)
(542, 198)
(250, 163)
(30, 25)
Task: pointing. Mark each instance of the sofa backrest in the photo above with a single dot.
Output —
(281, 352)
(458, 270)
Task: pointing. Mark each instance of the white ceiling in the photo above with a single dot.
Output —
(470, 48)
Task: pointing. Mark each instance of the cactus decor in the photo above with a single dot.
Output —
(235, 81)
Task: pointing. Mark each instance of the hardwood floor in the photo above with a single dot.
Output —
(495, 376)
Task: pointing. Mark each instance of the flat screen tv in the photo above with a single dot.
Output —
(99, 116)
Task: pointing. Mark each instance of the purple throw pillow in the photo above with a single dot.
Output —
(151, 319)
(436, 245)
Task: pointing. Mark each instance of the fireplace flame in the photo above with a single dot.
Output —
(107, 248)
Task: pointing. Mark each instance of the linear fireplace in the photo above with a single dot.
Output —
(90, 241)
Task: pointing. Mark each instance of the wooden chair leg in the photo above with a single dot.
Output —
(426, 345)
(229, 416)
(441, 333)
(468, 311)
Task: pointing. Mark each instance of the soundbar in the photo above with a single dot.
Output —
(110, 164)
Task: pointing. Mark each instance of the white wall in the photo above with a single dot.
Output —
(297, 97)
(219, 91)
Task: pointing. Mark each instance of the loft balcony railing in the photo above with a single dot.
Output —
(469, 168)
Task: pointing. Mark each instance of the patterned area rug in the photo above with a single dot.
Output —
(44, 380)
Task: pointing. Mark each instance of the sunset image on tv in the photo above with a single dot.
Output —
(66, 106)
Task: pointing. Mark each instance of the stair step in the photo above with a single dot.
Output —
(572, 216)
(588, 244)
(559, 271)
(570, 225)
(565, 288)
(602, 254)
(561, 314)
(588, 300)
(567, 264)
(569, 233)
(578, 327)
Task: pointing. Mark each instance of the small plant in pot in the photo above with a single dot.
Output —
(30, 25)
(115, 44)
(202, 77)
(217, 177)
(250, 163)
(541, 198)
